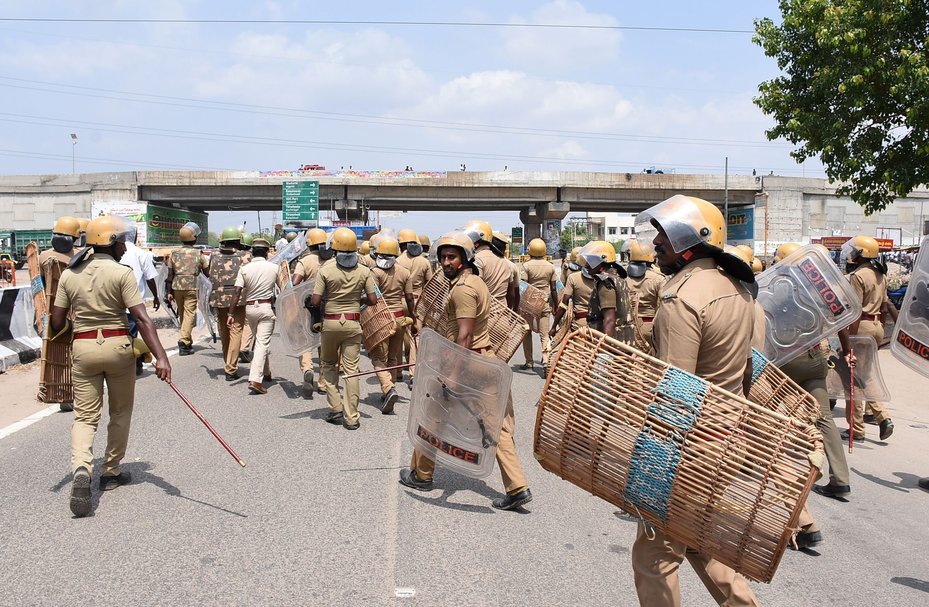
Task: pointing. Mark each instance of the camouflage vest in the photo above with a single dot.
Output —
(224, 267)
(186, 262)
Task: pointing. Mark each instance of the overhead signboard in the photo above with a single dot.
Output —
(836, 242)
(300, 202)
(741, 225)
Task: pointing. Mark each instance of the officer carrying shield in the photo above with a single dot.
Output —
(184, 265)
(65, 233)
(336, 308)
(99, 290)
(468, 311)
(703, 326)
(222, 271)
(395, 284)
(645, 283)
(412, 258)
(592, 290)
(307, 268)
(539, 273)
(868, 277)
(494, 270)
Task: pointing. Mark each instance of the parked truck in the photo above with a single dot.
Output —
(13, 242)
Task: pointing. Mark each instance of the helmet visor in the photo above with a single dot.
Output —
(192, 227)
(680, 219)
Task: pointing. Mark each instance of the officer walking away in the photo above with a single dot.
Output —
(645, 283)
(395, 284)
(569, 265)
(222, 272)
(142, 263)
(247, 343)
(868, 277)
(340, 287)
(494, 270)
(255, 284)
(592, 290)
(65, 233)
(99, 290)
(703, 326)
(184, 266)
(468, 311)
(307, 268)
(540, 274)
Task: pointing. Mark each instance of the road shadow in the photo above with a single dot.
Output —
(292, 390)
(220, 374)
(141, 473)
(911, 582)
(455, 484)
(311, 414)
(907, 481)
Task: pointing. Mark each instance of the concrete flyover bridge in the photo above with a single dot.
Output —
(791, 208)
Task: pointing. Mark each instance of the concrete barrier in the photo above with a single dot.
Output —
(19, 342)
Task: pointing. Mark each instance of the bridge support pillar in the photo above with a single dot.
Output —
(348, 210)
(552, 211)
(532, 223)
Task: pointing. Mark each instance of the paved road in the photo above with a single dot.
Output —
(317, 517)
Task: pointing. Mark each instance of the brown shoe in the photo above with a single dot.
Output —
(257, 388)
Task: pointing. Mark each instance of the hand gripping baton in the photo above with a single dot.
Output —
(207, 424)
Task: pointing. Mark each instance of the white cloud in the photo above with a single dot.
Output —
(560, 48)
(565, 150)
(72, 59)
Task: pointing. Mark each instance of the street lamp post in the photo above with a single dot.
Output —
(73, 145)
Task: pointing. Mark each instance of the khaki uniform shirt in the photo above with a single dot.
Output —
(648, 289)
(468, 297)
(395, 285)
(257, 279)
(759, 327)
(495, 272)
(539, 274)
(565, 272)
(579, 289)
(342, 288)
(48, 254)
(704, 324)
(420, 271)
(308, 266)
(98, 292)
(366, 261)
(871, 287)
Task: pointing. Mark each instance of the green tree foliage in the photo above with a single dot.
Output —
(855, 91)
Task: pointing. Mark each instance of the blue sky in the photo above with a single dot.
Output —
(260, 96)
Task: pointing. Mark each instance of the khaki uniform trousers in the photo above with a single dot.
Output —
(655, 563)
(510, 469)
(341, 341)
(389, 353)
(231, 338)
(645, 328)
(874, 329)
(409, 345)
(307, 364)
(94, 362)
(541, 326)
(186, 302)
(248, 339)
(260, 319)
(809, 371)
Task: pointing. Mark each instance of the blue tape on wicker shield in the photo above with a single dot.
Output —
(37, 285)
(679, 398)
(759, 362)
(651, 474)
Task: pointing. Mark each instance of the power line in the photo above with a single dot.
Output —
(104, 161)
(468, 24)
(368, 118)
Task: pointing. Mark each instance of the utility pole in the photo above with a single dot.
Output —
(726, 197)
(73, 145)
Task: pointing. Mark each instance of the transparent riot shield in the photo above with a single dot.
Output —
(205, 318)
(805, 298)
(869, 382)
(294, 249)
(160, 281)
(293, 319)
(458, 404)
(910, 342)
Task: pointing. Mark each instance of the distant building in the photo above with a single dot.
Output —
(612, 226)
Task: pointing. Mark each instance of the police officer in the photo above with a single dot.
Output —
(540, 274)
(468, 310)
(703, 326)
(340, 287)
(396, 287)
(222, 271)
(593, 290)
(364, 255)
(494, 270)
(306, 269)
(255, 284)
(247, 343)
(413, 259)
(500, 245)
(569, 265)
(645, 283)
(184, 265)
(99, 290)
(869, 281)
(82, 240)
(65, 233)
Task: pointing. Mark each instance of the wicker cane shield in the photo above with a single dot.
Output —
(378, 323)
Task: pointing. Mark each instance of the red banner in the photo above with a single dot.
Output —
(836, 242)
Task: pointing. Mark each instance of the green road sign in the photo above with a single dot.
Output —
(516, 236)
(300, 200)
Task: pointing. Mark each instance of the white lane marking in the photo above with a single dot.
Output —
(25, 423)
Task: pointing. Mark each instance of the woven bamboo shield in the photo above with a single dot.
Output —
(772, 389)
(377, 324)
(532, 301)
(719, 473)
(37, 283)
(284, 278)
(55, 384)
(430, 309)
